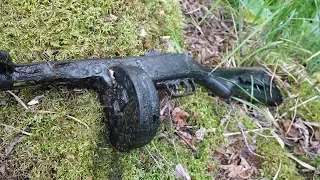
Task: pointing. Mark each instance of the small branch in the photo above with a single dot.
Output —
(70, 117)
(293, 118)
(238, 133)
(22, 131)
(158, 165)
(277, 174)
(19, 100)
(308, 166)
(187, 142)
(305, 102)
(246, 142)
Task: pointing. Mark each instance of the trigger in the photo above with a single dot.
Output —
(179, 87)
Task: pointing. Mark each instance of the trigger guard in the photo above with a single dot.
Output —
(134, 108)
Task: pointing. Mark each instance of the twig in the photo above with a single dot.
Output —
(238, 133)
(171, 128)
(269, 116)
(293, 118)
(277, 174)
(161, 157)
(308, 166)
(312, 124)
(68, 116)
(19, 100)
(190, 12)
(305, 102)
(73, 118)
(158, 165)
(246, 142)
(187, 142)
(280, 141)
(22, 131)
(243, 134)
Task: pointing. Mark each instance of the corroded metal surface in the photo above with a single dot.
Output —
(128, 87)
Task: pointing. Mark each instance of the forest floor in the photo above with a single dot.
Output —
(59, 133)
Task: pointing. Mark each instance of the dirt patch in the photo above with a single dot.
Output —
(209, 36)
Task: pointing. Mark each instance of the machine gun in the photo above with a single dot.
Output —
(128, 87)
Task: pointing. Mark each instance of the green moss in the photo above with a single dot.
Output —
(34, 31)
(309, 111)
(274, 154)
(39, 30)
(209, 108)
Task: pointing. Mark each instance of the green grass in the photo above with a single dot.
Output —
(284, 35)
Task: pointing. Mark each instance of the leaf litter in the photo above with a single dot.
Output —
(302, 136)
(236, 161)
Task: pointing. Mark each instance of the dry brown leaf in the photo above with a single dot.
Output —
(200, 133)
(209, 41)
(179, 117)
(3, 170)
(286, 124)
(182, 173)
(143, 158)
(299, 150)
(110, 18)
(35, 100)
(210, 166)
(195, 114)
(9, 148)
(243, 171)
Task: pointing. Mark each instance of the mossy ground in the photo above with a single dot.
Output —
(61, 148)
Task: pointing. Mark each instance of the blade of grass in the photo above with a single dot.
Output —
(259, 28)
(248, 103)
(209, 12)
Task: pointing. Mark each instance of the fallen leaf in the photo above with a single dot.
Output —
(185, 134)
(286, 124)
(3, 171)
(179, 117)
(210, 166)
(143, 158)
(182, 173)
(13, 144)
(3, 102)
(317, 135)
(200, 133)
(110, 18)
(143, 33)
(299, 150)
(35, 100)
(195, 114)
(244, 170)
(161, 12)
